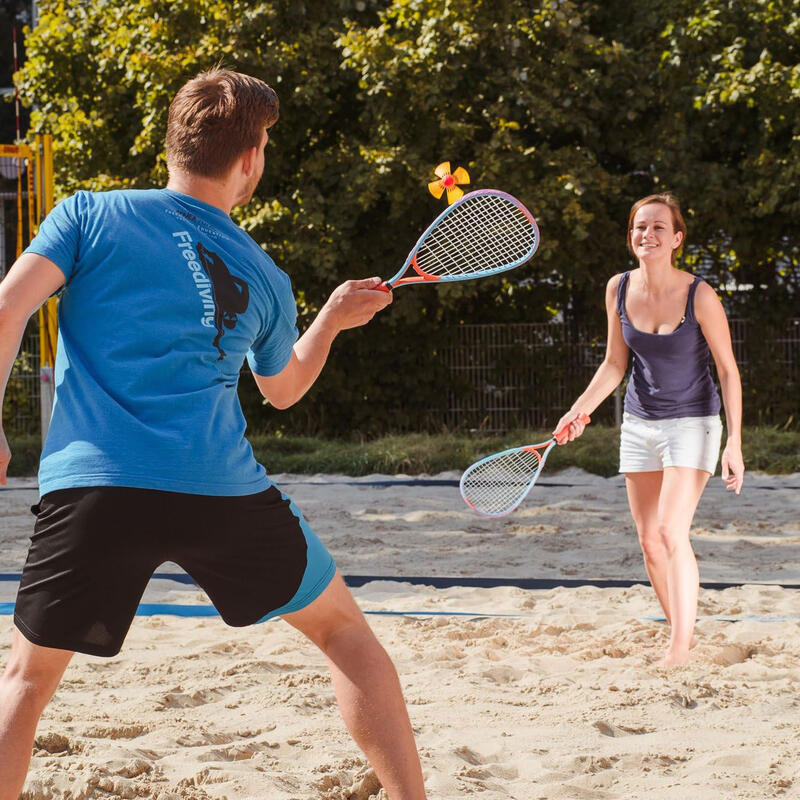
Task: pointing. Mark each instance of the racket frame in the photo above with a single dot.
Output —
(423, 277)
(548, 445)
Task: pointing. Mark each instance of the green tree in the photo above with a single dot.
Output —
(578, 108)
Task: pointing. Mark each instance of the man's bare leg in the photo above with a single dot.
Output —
(367, 688)
(29, 681)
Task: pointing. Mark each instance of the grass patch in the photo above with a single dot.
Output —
(597, 451)
(765, 449)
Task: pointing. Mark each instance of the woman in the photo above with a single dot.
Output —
(671, 430)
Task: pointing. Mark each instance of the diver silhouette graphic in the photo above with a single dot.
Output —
(231, 294)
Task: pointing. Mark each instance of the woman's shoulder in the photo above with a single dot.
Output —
(613, 281)
(705, 296)
(612, 291)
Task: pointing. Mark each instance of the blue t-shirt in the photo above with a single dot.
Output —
(164, 298)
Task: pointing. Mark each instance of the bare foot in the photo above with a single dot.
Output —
(674, 659)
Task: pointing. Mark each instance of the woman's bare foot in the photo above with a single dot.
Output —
(674, 658)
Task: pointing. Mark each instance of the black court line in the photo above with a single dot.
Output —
(536, 583)
(439, 582)
(414, 482)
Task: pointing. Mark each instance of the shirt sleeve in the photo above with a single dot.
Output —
(59, 235)
(271, 351)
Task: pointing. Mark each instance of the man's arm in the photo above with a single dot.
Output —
(29, 283)
(351, 305)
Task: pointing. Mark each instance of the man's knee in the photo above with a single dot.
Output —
(331, 615)
(20, 688)
(33, 673)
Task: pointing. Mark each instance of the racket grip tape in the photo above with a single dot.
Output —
(559, 435)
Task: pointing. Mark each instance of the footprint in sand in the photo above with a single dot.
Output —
(237, 752)
(609, 729)
(254, 668)
(116, 732)
(134, 768)
(683, 700)
(593, 764)
(180, 699)
(734, 654)
(468, 755)
(53, 743)
(503, 674)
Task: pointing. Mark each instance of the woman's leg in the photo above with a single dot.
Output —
(681, 489)
(644, 490)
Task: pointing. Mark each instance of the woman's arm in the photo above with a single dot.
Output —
(609, 374)
(714, 325)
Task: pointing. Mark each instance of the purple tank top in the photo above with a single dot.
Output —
(671, 375)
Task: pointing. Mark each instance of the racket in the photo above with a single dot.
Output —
(497, 484)
(481, 234)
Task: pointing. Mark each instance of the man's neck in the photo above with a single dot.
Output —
(216, 192)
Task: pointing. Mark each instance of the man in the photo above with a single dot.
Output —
(146, 460)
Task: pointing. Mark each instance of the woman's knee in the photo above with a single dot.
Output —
(652, 545)
(672, 538)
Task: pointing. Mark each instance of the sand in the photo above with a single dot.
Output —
(513, 693)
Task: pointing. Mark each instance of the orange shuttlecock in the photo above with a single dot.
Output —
(448, 182)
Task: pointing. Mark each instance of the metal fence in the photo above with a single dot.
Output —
(527, 375)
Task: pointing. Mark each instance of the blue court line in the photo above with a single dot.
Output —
(438, 582)
(176, 610)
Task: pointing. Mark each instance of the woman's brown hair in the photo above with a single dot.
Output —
(678, 223)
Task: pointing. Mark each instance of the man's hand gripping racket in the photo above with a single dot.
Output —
(482, 233)
(497, 484)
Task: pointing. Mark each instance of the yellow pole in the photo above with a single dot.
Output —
(37, 161)
(48, 313)
(19, 207)
(31, 197)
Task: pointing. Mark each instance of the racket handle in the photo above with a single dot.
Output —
(559, 435)
(383, 287)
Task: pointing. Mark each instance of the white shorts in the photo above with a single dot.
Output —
(650, 445)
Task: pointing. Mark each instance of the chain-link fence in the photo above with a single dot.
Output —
(528, 375)
(21, 409)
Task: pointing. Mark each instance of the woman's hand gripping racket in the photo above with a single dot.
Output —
(481, 234)
(497, 484)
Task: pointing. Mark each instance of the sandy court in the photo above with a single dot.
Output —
(514, 693)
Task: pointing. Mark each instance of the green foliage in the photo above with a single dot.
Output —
(21, 400)
(578, 108)
(25, 452)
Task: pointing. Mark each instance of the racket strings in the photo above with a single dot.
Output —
(496, 485)
(484, 233)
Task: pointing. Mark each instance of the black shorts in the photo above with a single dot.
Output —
(94, 549)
